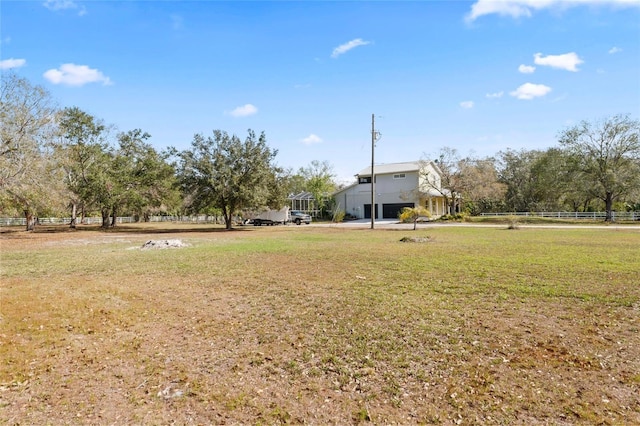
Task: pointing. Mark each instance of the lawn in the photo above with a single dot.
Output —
(320, 325)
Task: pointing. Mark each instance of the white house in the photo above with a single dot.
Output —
(396, 186)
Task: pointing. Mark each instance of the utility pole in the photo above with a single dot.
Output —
(374, 137)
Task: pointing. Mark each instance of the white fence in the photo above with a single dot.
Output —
(18, 221)
(572, 215)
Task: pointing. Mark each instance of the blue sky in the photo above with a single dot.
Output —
(478, 76)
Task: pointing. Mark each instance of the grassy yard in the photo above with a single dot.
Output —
(321, 325)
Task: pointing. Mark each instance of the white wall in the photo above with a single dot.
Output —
(388, 191)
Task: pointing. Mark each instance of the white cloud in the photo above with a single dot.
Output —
(76, 75)
(466, 104)
(526, 69)
(8, 64)
(311, 139)
(65, 5)
(244, 111)
(344, 48)
(495, 95)
(529, 91)
(525, 8)
(567, 61)
(614, 50)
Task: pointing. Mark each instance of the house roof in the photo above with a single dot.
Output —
(381, 169)
(301, 196)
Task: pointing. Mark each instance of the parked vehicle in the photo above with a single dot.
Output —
(271, 217)
(299, 217)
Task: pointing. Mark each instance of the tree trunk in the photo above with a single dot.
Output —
(608, 202)
(452, 205)
(74, 209)
(113, 217)
(227, 217)
(105, 217)
(31, 220)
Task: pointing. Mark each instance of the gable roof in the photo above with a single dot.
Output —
(382, 169)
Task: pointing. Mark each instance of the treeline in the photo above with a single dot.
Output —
(596, 167)
(59, 161)
(64, 161)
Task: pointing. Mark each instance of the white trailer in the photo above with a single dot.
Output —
(272, 217)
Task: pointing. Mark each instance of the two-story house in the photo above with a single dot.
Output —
(396, 186)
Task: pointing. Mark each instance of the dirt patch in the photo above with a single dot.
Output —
(415, 239)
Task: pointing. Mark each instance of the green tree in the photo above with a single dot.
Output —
(278, 184)
(551, 180)
(28, 181)
(318, 177)
(515, 172)
(608, 157)
(143, 177)
(83, 154)
(227, 173)
(295, 183)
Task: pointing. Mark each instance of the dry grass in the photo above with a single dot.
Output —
(321, 326)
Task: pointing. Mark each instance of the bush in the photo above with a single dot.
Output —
(514, 222)
(455, 217)
(338, 216)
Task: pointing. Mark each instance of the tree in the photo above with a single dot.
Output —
(144, 179)
(515, 172)
(550, 180)
(608, 156)
(481, 190)
(319, 182)
(27, 172)
(224, 172)
(278, 184)
(83, 153)
(295, 183)
(450, 183)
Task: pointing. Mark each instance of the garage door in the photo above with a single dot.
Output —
(367, 211)
(391, 211)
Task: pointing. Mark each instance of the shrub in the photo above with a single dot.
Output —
(413, 214)
(338, 216)
(513, 221)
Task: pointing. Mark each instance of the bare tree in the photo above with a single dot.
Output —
(27, 180)
(479, 184)
(608, 156)
(449, 182)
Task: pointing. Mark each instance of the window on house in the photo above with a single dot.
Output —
(366, 179)
(399, 176)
